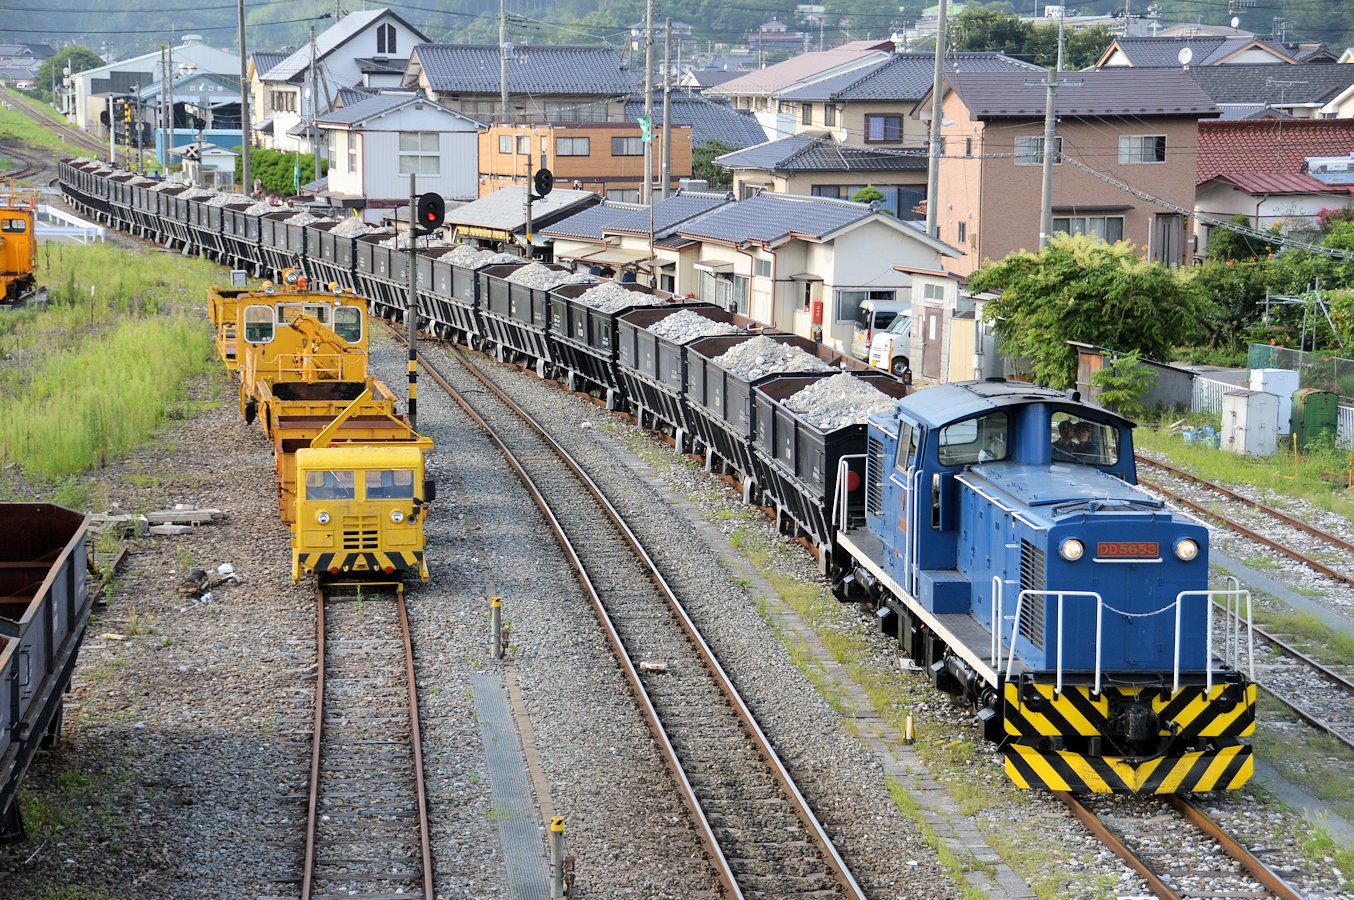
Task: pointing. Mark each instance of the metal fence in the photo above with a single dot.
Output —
(1208, 393)
(1344, 428)
(1316, 369)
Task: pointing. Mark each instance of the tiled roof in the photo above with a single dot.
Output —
(818, 152)
(1278, 145)
(903, 76)
(806, 65)
(505, 209)
(1103, 92)
(1277, 85)
(375, 65)
(373, 105)
(329, 40)
(347, 96)
(542, 69)
(1232, 112)
(1279, 183)
(710, 118)
(770, 217)
(705, 78)
(1206, 49)
(267, 59)
(588, 224)
(670, 214)
(674, 242)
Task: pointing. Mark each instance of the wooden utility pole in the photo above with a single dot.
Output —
(315, 106)
(646, 187)
(933, 161)
(503, 51)
(246, 181)
(666, 168)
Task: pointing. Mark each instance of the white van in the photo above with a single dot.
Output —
(873, 317)
(890, 348)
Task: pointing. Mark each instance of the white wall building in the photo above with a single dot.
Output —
(93, 87)
(1291, 200)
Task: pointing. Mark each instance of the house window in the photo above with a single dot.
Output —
(848, 302)
(505, 143)
(1108, 228)
(627, 146)
(827, 190)
(968, 147)
(385, 40)
(829, 114)
(963, 232)
(740, 291)
(934, 292)
(524, 144)
(478, 108)
(1142, 148)
(419, 153)
(1029, 150)
(571, 146)
(761, 268)
(623, 195)
(883, 128)
(352, 153)
(806, 114)
(561, 111)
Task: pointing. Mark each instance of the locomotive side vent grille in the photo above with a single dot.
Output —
(874, 477)
(1032, 579)
(361, 533)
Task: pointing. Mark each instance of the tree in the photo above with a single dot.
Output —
(703, 164)
(276, 169)
(1124, 382)
(1225, 244)
(985, 28)
(868, 194)
(53, 69)
(1082, 289)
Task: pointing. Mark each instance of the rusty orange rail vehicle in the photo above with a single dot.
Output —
(18, 245)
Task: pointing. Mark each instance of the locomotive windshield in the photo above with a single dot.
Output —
(1085, 441)
(975, 440)
(330, 484)
(13, 225)
(390, 484)
(348, 323)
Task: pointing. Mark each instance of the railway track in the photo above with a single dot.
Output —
(30, 165)
(1325, 695)
(761, 837)
(367, 813)
(73, 135)
(1189, 855)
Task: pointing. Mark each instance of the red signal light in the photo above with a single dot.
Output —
(852, 481)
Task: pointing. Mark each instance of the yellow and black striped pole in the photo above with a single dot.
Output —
(411, 315)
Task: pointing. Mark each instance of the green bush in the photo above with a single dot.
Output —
(276, 170)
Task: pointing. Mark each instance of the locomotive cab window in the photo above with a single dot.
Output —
(983, 439)
(14, 225)
(907, 448)
(1085, 441)
(348, 323)
(390, 484)
(289, 312)
(258, 324)
(330, 484)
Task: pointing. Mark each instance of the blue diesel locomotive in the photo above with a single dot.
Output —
(1004, 544)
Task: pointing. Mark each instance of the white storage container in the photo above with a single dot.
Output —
(1281, 383)
(1250, 422)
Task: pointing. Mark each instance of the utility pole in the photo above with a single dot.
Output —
(1062, 34)
(315, 108)
(666, 168)
(164, 130)
(169, 98)
(246, 129)
(411, 314)
(646, 187)
(1050, 150)
(112, 133)
(933, 167)
(503, 51)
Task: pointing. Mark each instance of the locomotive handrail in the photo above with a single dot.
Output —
(1233, 649)
(1099, 621)
(1209, 595)
(841, 497)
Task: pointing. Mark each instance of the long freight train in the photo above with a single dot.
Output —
(994, 526)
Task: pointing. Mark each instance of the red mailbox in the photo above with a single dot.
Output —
(816, 312)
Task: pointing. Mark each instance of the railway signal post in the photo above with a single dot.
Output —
(426, 214)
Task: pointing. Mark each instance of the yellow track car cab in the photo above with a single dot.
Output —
(18, 246)
(360, 509)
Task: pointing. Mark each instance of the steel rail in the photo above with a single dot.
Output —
(1252, 864)
(815, 829)
(313, 801)
(1101, 832)
(425, 836)
(37, 112)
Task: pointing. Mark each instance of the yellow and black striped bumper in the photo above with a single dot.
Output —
(1223, 769)
(1194, 711)
(358, 562)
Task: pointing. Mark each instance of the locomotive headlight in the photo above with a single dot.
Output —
(397, 516)
(322, 518)
(1186, 549)
(1072, 549)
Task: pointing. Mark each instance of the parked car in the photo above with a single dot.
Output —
(889, 348)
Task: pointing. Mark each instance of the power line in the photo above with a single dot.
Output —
(184, 28)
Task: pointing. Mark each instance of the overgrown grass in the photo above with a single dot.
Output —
(18, 126)
(95, 373)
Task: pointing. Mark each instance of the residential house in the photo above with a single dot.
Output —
(1311, 90)
(93, 87)
(710, 118)
(779, 257)
(869, 105)
(776, 36)
(206, 108)
(260, 61)
(1138, 129)
(376, 143)
(614, 237)
(546, 83)
(500, 219)
(19, 62)
(1208, 50)
(362, 48)
(604, 157)
(206, 165)
(817, 165)
(1291, 200)
(698, 80)
(759, 90)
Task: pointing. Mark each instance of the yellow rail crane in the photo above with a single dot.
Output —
(18, 245)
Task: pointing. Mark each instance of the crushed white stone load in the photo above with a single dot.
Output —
(609, 297)
(166, 185)
(468, 256)
(687, 325)
(839, 401)
(400, 242)
(304, 218)
(196, 194)
(351, 227)
(262, 208)
(227, 199)
(543, 278)
(760, 356)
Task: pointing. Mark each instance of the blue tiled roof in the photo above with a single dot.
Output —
(770, 217)
(589, 223)
(711, 119)
(818, 152)
(669, 214)
(902, 77)
(541, 69)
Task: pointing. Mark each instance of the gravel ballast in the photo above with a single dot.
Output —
(838, 401)
(685, 326)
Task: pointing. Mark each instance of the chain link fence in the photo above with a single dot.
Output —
(1316, 369)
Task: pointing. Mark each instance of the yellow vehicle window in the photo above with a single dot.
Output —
(330, 484)
(390, 484)
(287, 312)
(18, 225)
(258, 324)
(348, 323)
